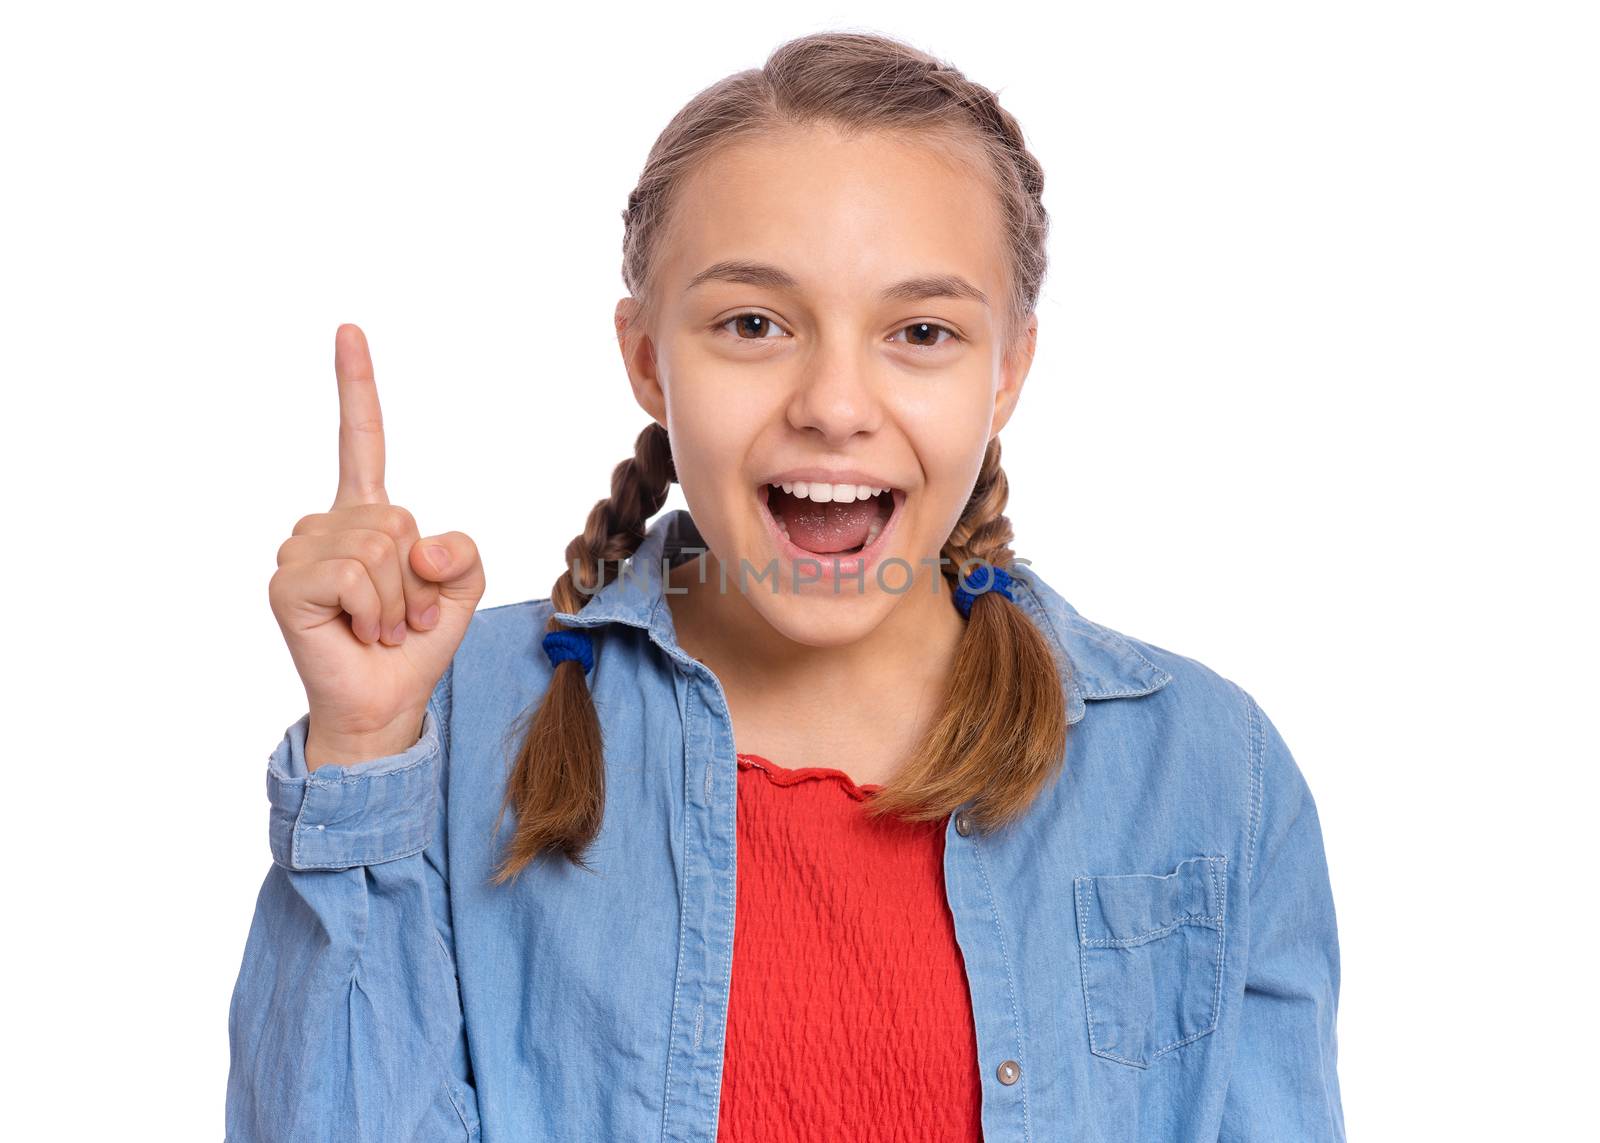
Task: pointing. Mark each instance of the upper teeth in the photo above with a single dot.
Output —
(827, 493)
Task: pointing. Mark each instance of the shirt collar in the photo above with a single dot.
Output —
(1099, 662)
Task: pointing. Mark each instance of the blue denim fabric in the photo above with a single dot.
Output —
(1151, 952)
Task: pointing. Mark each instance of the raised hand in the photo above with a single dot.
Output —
(371, 611)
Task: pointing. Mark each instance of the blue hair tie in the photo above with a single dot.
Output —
(972, 587)
(568, 644)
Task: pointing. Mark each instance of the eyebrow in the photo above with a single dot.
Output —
(776, 278)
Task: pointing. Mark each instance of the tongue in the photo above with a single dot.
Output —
(824, 528)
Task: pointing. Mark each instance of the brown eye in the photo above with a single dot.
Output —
(925, 334)
(751, 326)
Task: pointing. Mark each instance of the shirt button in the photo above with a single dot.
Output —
(1009, 1072)
(963, 824)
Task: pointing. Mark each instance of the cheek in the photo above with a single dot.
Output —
(950, 431)
(713, 397)
(712, 434)
(950, 435)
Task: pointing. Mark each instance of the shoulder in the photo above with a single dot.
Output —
(1103, 665)
(1214, 707)
(1206, 735)
(1153, 724)
(1195, 704)
(1195, 689)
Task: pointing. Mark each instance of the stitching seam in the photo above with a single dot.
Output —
(683, 913)
(1256, 753)
(1219, 894)
(1011, 991)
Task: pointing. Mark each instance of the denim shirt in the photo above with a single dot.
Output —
(1151, 951)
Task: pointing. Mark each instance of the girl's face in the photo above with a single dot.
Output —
(829, 311)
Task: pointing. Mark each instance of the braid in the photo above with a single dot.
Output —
(557, 783)
(983, 533)
(616, 525)
(1002, 730)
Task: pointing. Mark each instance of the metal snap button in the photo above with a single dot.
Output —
(963, 824)
(1009, 1072)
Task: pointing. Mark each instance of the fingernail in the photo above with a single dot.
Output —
(398, 635)
(429, 617)
(438, 557)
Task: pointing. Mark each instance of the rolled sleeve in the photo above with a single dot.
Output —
(340, 816)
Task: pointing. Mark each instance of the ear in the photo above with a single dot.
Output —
(1013, 372)
(639, 358)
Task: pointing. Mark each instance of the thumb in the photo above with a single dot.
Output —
(451, 561)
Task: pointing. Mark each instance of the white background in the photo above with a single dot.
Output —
(1313, 403)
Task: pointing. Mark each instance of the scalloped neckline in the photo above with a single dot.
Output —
(787, 776)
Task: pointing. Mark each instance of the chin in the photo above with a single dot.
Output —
(799, 620)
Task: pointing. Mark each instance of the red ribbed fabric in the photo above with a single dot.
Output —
(848, 1014)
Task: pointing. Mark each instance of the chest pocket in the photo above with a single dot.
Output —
(1150, 953)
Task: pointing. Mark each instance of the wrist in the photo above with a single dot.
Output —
(335, 749)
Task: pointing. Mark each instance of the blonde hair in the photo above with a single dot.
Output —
(1003, 729)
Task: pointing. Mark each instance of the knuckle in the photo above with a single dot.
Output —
(397, 521)
(308, 524)
(351, 576)
(374, 547)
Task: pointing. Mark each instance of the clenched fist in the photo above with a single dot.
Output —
(372, 612)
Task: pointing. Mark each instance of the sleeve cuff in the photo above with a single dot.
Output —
(340, 816)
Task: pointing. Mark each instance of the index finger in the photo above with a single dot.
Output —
(360, 421)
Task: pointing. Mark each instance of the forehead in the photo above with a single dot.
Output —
(840, 212)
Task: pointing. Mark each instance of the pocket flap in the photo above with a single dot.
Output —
(1130, 908)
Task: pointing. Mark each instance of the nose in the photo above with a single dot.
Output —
(834, 397)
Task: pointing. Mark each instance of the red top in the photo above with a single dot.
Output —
(848, 1012)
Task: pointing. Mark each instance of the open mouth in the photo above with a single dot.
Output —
(830, 521)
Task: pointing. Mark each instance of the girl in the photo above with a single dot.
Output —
(1002, 872)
